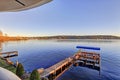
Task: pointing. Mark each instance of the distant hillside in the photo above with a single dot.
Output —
(3, 38)
(79, 37)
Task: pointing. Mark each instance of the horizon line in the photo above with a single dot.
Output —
(61, 35)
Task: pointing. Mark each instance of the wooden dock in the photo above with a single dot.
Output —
(83, 59)
(8, 54)
(56, 70)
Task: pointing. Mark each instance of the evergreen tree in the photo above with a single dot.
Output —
(35, 75)
(20, 70)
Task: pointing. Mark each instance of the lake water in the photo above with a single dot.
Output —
(34, 54)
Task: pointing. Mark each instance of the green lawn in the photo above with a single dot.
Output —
(6, 66)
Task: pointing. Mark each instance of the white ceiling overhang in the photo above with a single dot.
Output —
(18, 5)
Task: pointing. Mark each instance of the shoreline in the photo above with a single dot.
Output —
(10, 67)
(7, 66)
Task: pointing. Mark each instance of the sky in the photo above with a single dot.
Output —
(64, 17)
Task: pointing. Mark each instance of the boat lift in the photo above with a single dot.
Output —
(88, 59)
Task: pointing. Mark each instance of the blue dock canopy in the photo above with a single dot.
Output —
(84, 47)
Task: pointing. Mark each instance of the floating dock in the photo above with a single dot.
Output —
(83, 59)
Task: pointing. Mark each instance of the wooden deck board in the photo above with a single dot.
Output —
(54, 67)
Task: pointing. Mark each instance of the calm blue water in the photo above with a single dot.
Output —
(44, 53)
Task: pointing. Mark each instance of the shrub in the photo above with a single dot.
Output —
(20, 70)
(35, 75)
